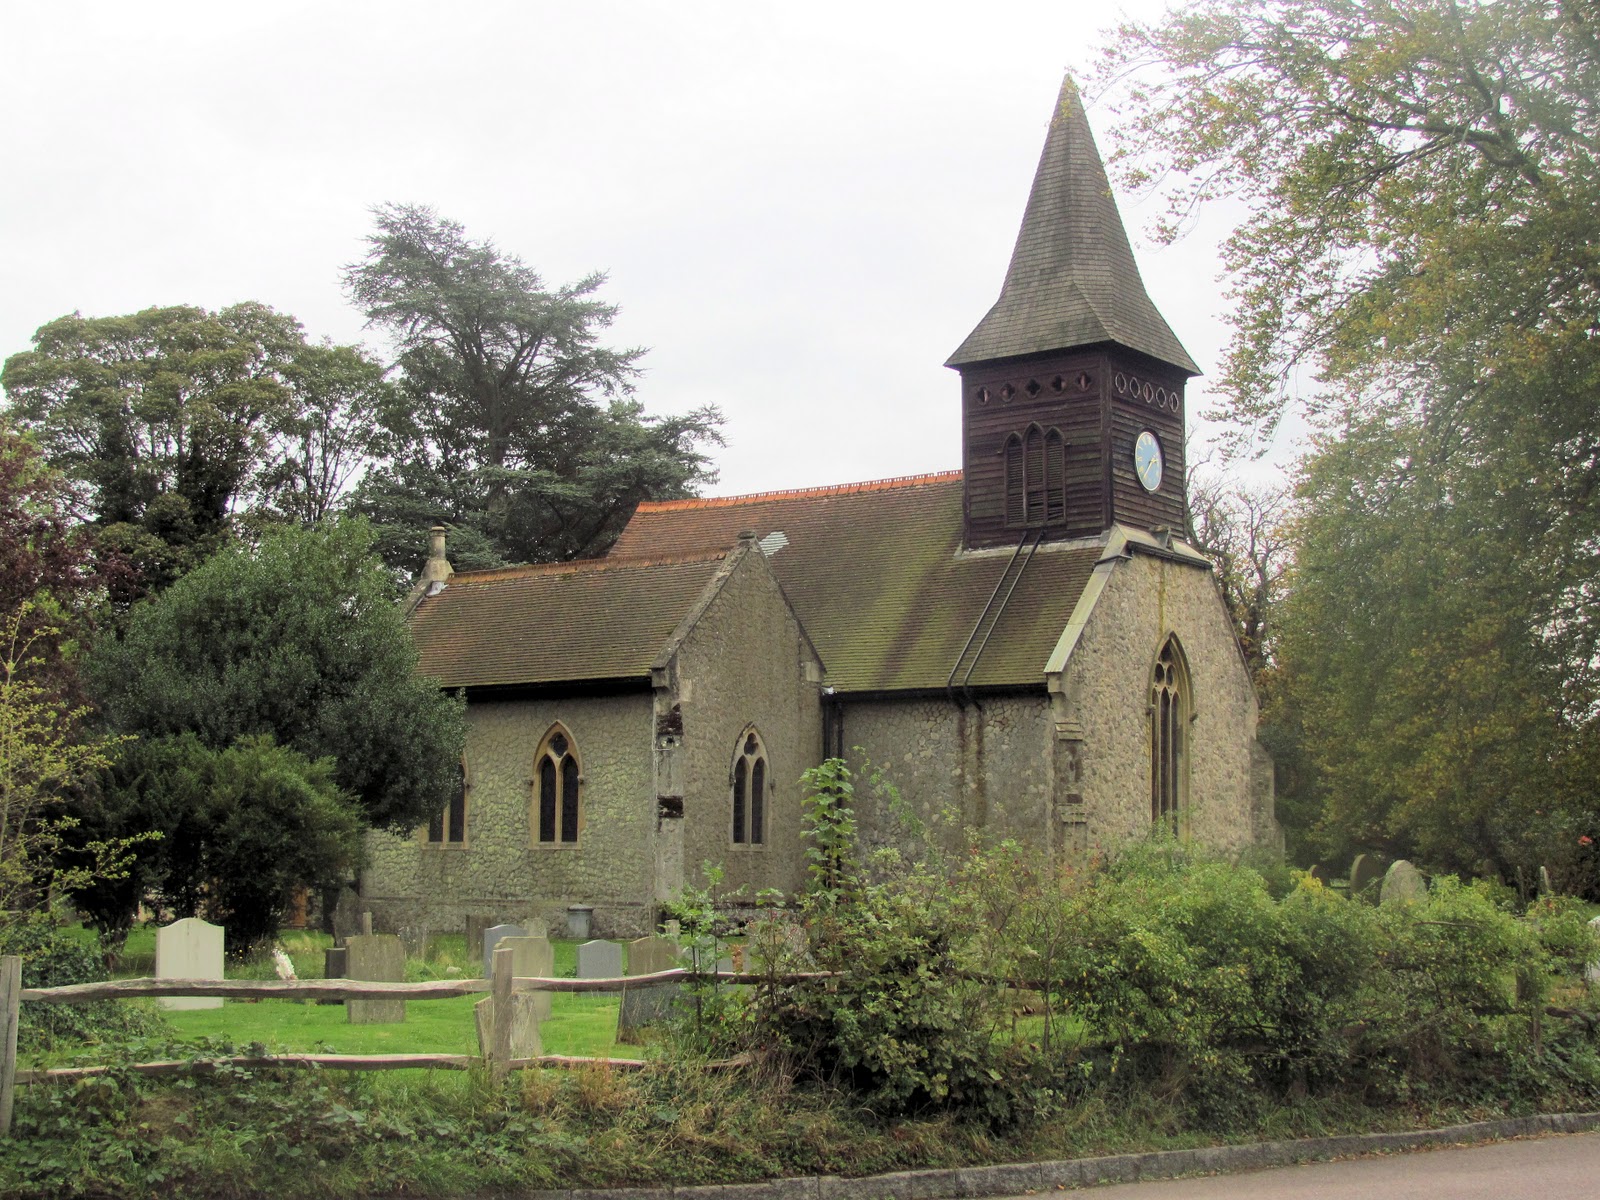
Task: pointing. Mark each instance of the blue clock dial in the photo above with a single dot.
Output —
(1147, 461)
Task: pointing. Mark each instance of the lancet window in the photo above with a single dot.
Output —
(750, 791)
(557, 782)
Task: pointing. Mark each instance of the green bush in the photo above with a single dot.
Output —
(54, 957)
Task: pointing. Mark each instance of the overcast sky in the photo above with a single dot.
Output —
(802, 208)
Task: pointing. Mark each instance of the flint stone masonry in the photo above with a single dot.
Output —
(491, 938)
(503, 872)
(1105, 692)
(381, 958)
(1402, 884)
(189, 949)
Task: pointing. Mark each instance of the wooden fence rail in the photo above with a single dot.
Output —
(501, 984)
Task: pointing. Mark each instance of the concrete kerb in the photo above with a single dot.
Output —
(1016, 1179)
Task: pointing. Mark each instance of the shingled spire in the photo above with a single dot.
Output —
(1072, 385)
(1072, 280)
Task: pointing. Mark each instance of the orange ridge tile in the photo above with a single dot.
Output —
(838, 489)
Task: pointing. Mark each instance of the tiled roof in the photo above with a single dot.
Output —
(1072, 279)
(600, 619)
(875, 573)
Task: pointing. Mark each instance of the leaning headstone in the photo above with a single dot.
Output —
(491, 939)
(1318, 872)
(643, 1006)
(1402, 883)
(1592, 971)
(599, 960)
(189, 949)
(532, 958)
(1544, 882)
(378, 958)
(1364, 872)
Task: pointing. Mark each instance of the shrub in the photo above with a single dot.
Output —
(54, 957)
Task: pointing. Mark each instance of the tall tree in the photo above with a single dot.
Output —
(297, 637)
(170, 420)
(520, 428)
(1240, 528)
(1420, 275)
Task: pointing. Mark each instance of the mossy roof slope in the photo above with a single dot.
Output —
(876, 574)
(598, 619)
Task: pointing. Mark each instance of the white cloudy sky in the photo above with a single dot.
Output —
(803, 208)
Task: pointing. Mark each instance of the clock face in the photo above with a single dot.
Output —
(1147, 461)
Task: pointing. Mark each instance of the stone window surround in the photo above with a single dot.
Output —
(534, 799)
(1182, 689)
(740, 753)
(466, 817)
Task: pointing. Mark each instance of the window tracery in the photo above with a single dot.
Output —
(557, 782)
(750, 790)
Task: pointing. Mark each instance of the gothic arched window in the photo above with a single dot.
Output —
(449, 824)
(1036, 478)
(557, 780)
(750, 790)
(1169, 732)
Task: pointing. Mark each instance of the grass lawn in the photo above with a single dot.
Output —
(578, 1024)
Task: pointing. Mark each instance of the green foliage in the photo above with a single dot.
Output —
(170, 420)
(297, 638)
(519, 428)
(1419, 276)
(53, 957)
(241, 829)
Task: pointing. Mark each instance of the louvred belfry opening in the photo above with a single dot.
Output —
(1072, 355)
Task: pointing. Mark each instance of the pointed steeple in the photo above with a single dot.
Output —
(1072, 280)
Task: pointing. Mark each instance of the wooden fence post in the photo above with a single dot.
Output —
(500, 1012)
(10, 1007)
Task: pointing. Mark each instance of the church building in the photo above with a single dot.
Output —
(1026, 646)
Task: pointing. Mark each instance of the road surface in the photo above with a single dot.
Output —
(1560, 1167)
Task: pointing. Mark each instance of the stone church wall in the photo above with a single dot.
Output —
(500, 872)
(1107, 692)
(985, 763)
(745, 662)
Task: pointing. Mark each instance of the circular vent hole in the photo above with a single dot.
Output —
(1007, 391)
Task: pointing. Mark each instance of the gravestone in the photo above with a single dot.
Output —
(1318, 872)
(334, 959)
(579, 919)
(189, 949)
(476, 924)
(1365, 871)
(599, 960)
(1592, 971)
(491, 939)
(1402, 884)
(643, 1006)
(379, 958)
(531, 957)
(1544, 882)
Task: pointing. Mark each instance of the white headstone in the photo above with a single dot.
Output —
(189, 949)
(599, 960)
(491, 938)
(1592, 972)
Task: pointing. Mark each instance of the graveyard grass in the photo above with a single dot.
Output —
(582, 1025)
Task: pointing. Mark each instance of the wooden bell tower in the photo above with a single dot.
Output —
(1072, 384)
